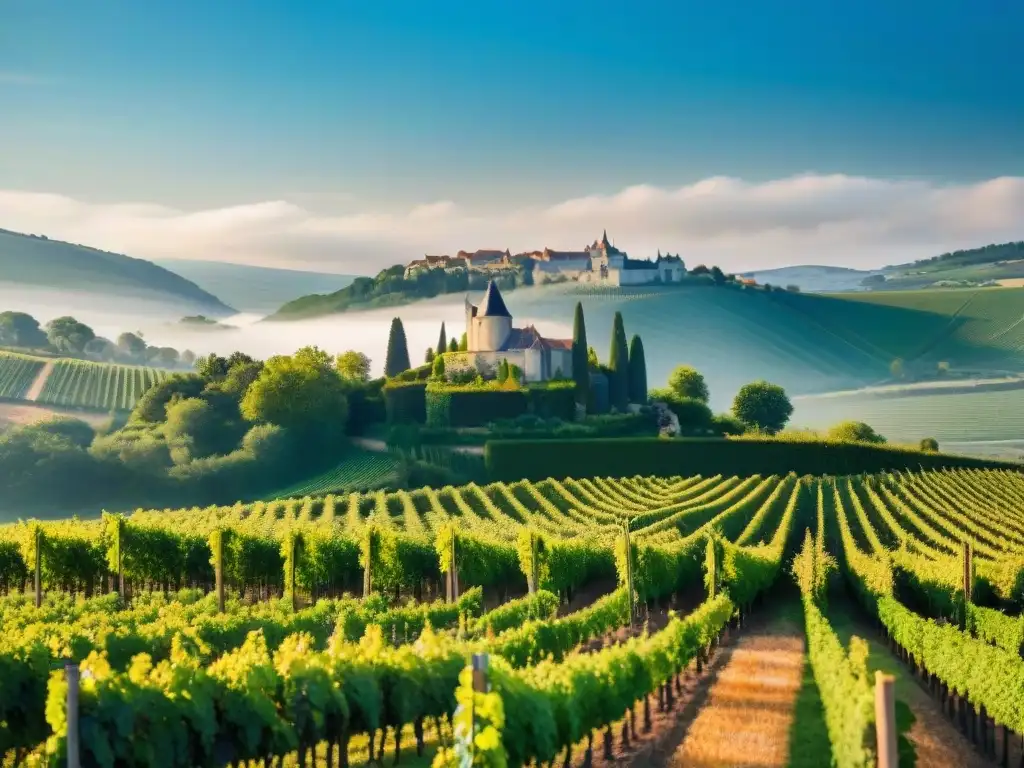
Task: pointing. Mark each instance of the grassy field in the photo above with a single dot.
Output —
(957, 417)
(98, 386)
(979, 328)
(732, 336)
(808, 343)
(359, 471)
(17, 372)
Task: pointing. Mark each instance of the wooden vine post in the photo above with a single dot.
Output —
(451, 578)
(71, 672)
(967, 557)
(368, 565)
(39, 566)
(534, 566)
(293, 556)
(218, 568)
(885, 720)
(119, 545)
(629, 573)
(712, 566)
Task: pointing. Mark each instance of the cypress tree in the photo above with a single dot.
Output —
(503, 371)
(464, 344)
(580, 365)
(397, 359)
(637, 371)
(442, 341)
(618, 362)
(453, 346)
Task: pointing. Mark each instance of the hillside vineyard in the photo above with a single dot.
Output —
(322, 677)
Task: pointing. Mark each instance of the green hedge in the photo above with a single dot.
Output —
(509, 460)
(472, 406)
(406, 402)
(556, 400)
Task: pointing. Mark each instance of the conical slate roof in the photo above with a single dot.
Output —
(493, 305)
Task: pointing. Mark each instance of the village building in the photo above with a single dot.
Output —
(610, 265)
(484, 258)
(491, 338)
(599, 262)
(447, 263)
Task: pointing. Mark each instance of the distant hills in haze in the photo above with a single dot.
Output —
(813, 278)
(257, 290)
(35, 260)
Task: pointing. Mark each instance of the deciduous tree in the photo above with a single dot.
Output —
(763, 406)
(353, 366)
(68, 335)
(688, 382)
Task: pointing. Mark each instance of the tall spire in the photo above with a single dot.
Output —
(493, 305)
(604, 239)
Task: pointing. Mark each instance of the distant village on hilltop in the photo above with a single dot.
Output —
(599, 262)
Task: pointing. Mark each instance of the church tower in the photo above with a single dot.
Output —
(490, 324)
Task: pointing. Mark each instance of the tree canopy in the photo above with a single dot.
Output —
(685, 381)
(353, 366)
(762, 406)
(18, 329)
(68, 335)
(302, 393)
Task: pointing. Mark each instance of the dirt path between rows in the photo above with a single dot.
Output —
(751, 704)
(40, 381)
(935, 740)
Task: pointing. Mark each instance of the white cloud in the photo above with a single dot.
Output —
(834, 219)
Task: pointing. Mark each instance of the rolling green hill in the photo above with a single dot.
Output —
(977, 329)
(733, 336)
(807, 343)
(255, 289)
(38, 261)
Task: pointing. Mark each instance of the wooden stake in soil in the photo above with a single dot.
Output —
(39, 567)
(629, 574)
(71, 671)
(885, 720)
(218, 563)
(480, 663)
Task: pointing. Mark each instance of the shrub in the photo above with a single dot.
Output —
(694, 415)
(930, 444)
(405, 402)
(854, 432)
(727, 424)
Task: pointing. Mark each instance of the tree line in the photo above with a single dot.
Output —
(73, 338)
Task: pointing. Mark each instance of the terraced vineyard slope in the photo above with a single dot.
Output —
(98, 386)
(17, 372)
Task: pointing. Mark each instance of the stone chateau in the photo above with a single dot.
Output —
(491, 338)
(599, 262)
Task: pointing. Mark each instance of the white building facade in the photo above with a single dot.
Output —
(490, 338)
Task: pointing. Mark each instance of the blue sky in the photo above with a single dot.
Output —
(338, 107)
